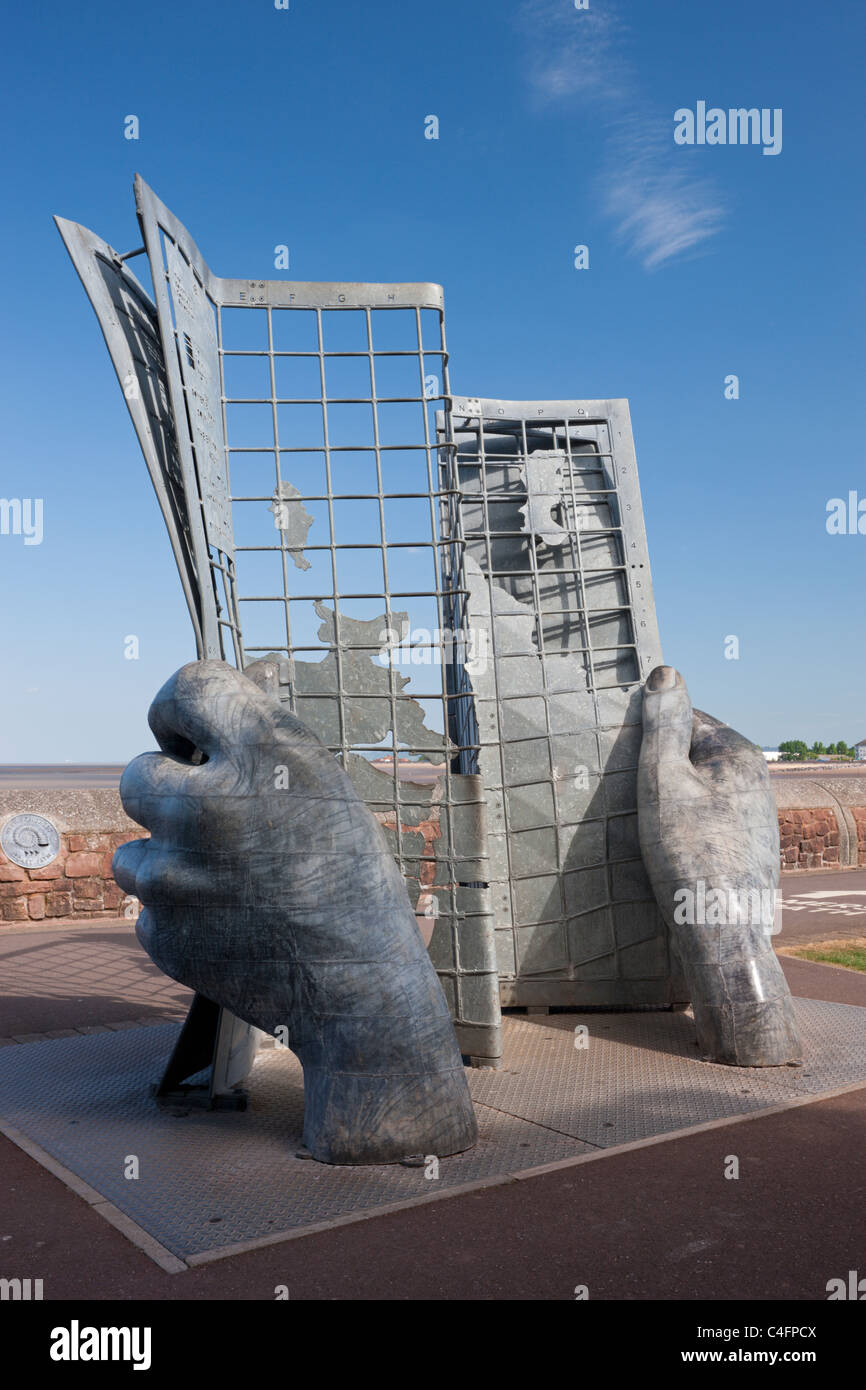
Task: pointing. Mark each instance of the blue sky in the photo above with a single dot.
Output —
(306, 127)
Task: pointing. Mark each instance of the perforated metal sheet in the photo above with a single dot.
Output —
(209, 1180)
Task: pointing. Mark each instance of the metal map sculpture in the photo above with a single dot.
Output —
(443, 609)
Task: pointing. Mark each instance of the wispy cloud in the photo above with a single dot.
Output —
(573, 53)
(658, 208)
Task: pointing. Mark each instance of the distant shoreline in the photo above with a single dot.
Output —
(93, 775)
(60, 774)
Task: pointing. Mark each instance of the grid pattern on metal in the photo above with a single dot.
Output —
(208, 1180)
(128, 319)
(330, 524)
(561, 609)
(637, 1074)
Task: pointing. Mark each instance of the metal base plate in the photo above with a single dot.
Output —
(211, 1180)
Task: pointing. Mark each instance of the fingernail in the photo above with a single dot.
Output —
(662, 678)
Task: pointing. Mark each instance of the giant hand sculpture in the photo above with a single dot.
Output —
(267, 886)
(710, 842)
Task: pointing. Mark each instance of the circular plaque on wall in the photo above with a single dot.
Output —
(30, 841)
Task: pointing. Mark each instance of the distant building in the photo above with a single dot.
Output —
(773, 755)
(860, 750)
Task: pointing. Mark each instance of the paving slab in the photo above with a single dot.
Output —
(78, 975)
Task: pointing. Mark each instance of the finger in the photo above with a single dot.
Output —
(162, 794)
(156, 874)
(736, 770)
(209, 706)
(667, 719)
(126, 862)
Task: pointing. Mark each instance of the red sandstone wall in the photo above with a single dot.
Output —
(809, 839)
(78, 883)
(859, 814)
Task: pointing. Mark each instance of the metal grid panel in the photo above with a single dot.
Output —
(561, 595)
(332, 533)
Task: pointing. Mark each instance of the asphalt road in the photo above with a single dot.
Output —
(823, 906)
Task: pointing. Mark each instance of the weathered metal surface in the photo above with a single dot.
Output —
(363, 700)
(127, 317)
(333, 549)
(184, 407)
(267, 888)
(29, 840)
(709, 834)
(200, 372)
(558, 580)
(292, 517)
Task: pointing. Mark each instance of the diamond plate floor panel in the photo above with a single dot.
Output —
(210, 1180)
(641, 1073)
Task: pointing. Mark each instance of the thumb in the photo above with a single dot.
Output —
(667, 720)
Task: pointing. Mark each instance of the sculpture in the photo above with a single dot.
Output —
(268, 887)
(709, 835)
(518, 524)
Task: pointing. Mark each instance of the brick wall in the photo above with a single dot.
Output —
(859, 814)
(809, 839)
(78, 883)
